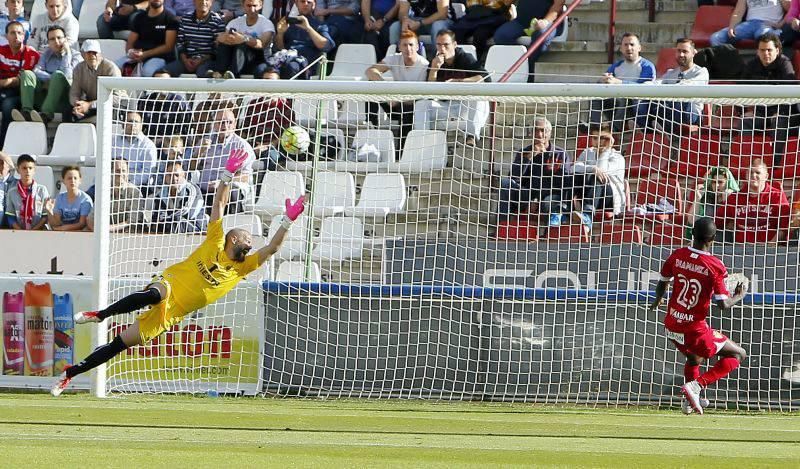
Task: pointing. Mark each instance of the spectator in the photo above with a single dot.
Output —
(213, 154)
(151, 42)
(46, 88)
(453, 65)
(135, 148)
(422, 17)
(378, 16)
(119, 15)
(244, 44)
(481, 21)
(179, 8)
(69, 210)
(763, 17)
(25, 200)
(407, 65)
(173, 152)
(178, 205)
(772, 68)
(599, 176)
(7, 180)
(83, 91)
(668, 113)
(197, 34)
(710, 195)
(57, 14)
(229, 9)
(533, 18)
(164, 113)
(15, 12)
(791, 25)
(537, 174)
(14, 58)
(301, 42)
(127, 202)
(341, 16)
(758, 214)
(632, 69)
(267, 118)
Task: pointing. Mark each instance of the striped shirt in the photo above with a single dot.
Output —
(11, 64)
(198, 37)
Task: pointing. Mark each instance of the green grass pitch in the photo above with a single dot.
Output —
(181, 431)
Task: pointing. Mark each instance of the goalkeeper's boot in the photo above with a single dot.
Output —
(686, 408)
(86, 316)
(61, 384)
(692, 392)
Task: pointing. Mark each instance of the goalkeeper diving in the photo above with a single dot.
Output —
(211, 271)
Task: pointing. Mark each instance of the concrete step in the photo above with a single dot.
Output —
(555, 72)
(591, 52)
(661, 33)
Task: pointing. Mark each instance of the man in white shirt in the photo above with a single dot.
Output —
(245, 43)
(407, 65)
(666, 114)
(57, 14)
(763, 16)
(139, 151)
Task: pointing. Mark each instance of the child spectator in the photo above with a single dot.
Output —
(69, 210)
(26, 199)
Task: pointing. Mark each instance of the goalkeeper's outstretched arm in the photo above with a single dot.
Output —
(293, 210)
(221, 198)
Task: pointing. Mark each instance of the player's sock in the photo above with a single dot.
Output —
(132, 302)
(100, 355)
(721, 369)
(691, 372)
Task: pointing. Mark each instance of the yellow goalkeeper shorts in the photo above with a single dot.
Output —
(161, 316)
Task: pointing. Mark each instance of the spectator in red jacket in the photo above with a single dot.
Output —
(14, 57)
(757, 214)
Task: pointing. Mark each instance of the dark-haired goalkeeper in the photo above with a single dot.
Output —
(699, 278)
(210, 272)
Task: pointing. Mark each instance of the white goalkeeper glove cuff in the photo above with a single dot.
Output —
(226, 177)
(286, 223)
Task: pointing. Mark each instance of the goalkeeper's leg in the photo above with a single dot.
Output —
(128, 338)
(152, 294)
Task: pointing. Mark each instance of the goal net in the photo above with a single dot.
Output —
(460, 241)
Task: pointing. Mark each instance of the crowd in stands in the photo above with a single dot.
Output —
(45, 73)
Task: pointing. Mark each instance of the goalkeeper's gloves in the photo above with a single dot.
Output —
(235, 162)
(293, 210)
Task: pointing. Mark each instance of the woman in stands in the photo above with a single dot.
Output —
(70, 209)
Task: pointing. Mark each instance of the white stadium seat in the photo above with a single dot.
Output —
(113, 49)
(340, 238)
(87, 20)
(44, 176)
(26, 137)
(275, 188)
(334, 193)
(383, 139)
(501, 58)
(295, 271)
(381, 195)
(352, 61)
(424, 150)
(294, 245)
(305, 112)
(73, 144)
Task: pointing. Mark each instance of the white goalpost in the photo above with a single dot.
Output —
(425, 265)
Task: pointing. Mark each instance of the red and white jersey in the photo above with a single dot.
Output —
(699, 278)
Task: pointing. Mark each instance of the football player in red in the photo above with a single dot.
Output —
(699, 278)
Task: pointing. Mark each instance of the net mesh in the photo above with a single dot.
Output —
(410, 196)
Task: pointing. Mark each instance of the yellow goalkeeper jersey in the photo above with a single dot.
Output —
(207, 274)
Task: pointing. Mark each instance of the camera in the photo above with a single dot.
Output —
(293, 20)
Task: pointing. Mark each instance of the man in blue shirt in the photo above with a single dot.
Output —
(16, 12)
(305, 34)
(632, 69)
(138, 150)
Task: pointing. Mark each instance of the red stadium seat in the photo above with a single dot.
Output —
(746, 148)
(651, 191)
(666, 60)
(707, 21)
(517, 229)
(581, 143)
(647, 153)
(668, 234)
(698, 152)
(621, 233)
(724, 117)
(788, 169)
(574, 233)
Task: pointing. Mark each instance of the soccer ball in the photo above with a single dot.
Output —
(295, 140)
